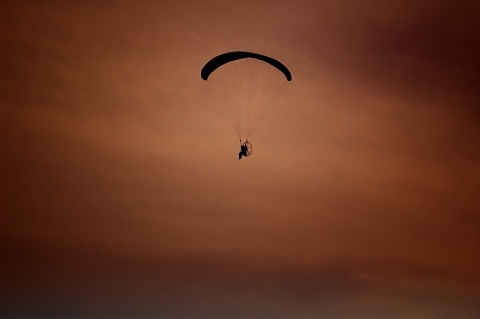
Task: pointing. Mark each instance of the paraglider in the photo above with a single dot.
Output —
(245, 149)
(246, 85)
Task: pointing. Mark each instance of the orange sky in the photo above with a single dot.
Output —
(122, 195)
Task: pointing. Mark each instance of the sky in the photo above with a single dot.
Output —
(121, 195)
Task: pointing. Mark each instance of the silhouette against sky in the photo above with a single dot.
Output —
(122, 195)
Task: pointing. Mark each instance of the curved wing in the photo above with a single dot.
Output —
(224, 58)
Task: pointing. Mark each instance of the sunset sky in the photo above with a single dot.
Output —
(122, 196)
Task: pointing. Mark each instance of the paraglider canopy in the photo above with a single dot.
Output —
(221, 59)
(246, 85)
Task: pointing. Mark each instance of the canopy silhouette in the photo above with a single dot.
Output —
(246, 85)
(224, 58)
